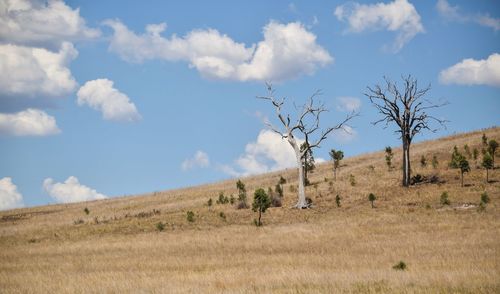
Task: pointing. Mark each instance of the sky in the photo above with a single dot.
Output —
(100, 99)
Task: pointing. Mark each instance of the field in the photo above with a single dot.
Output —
(117, 247)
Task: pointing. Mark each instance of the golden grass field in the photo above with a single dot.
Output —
(352, 249)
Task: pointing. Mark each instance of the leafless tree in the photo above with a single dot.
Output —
(307, 123)
(407, 108)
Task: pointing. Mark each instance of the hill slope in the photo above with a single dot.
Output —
(118, 248)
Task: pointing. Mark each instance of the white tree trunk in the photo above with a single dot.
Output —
(301, 203)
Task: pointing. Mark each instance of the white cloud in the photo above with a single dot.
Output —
(70, 191)
(30, 122)
(452, 13)
(200, 159)
(287, 51)
(398, 16)
(270, 152)
(473, 72)
(345, 135)
(349, 104)
(9, 196)
(34, 72)
(41, 23)
(114, 105)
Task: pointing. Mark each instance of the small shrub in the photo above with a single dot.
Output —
(261, 202)
(309, 202)
(86, 210)
(435, 162)
(428, 206)
(279, 190)
(400, 266)
(371, 168)
(209, 203)
(337, 200)
(222, 215)
(485, 198)
(388, 157)
(444, 199)
(222, 199)
(352, 180)
(282, 180)
(372, 198)
(190, 216)
(423, 161)
(293, 189)
(160, 226)
(232, 199)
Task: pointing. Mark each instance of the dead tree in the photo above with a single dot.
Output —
(408, 110)
(307, 124)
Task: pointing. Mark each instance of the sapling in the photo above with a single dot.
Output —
(372, 199)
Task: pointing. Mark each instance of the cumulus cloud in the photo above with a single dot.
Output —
(287, 51)
(102, 96)
(32, 73)
(268, 153)
(70, 191)
(41, 23)
(30, 122)
(473, 72)
(398, 16)
(348, 104)
(452, 13)
(9, 196)
(199, 160)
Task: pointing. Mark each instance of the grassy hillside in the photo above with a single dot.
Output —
(118, 248)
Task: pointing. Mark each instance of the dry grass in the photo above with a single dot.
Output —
(350, 249)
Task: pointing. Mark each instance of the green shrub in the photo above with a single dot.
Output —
(372, 198)
(444, 199)
(86, 210)
(337, 200)
(190, 216)
(222, 199)
(352, 180)
(261, 202)
(400, 266)
(222, 215)
(160, 226)
(209, 203)
(485, 198)
(435, 162)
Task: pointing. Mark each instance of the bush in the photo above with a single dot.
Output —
(485, 198)
(261, 202)
(232, 199)
(222, 199)
(435, 162)
(86, 210)
(337, 200)
(209, 203)
(222, 215)
(444, 199)
(190, 216)
(160, 226)
(423, 161)
(279, 190)
(400, 266)
(352, 180)
(372, 198)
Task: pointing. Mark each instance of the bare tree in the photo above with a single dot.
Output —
(307, 124)
(407, 109)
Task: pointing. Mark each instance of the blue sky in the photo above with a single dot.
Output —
(108, 98)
